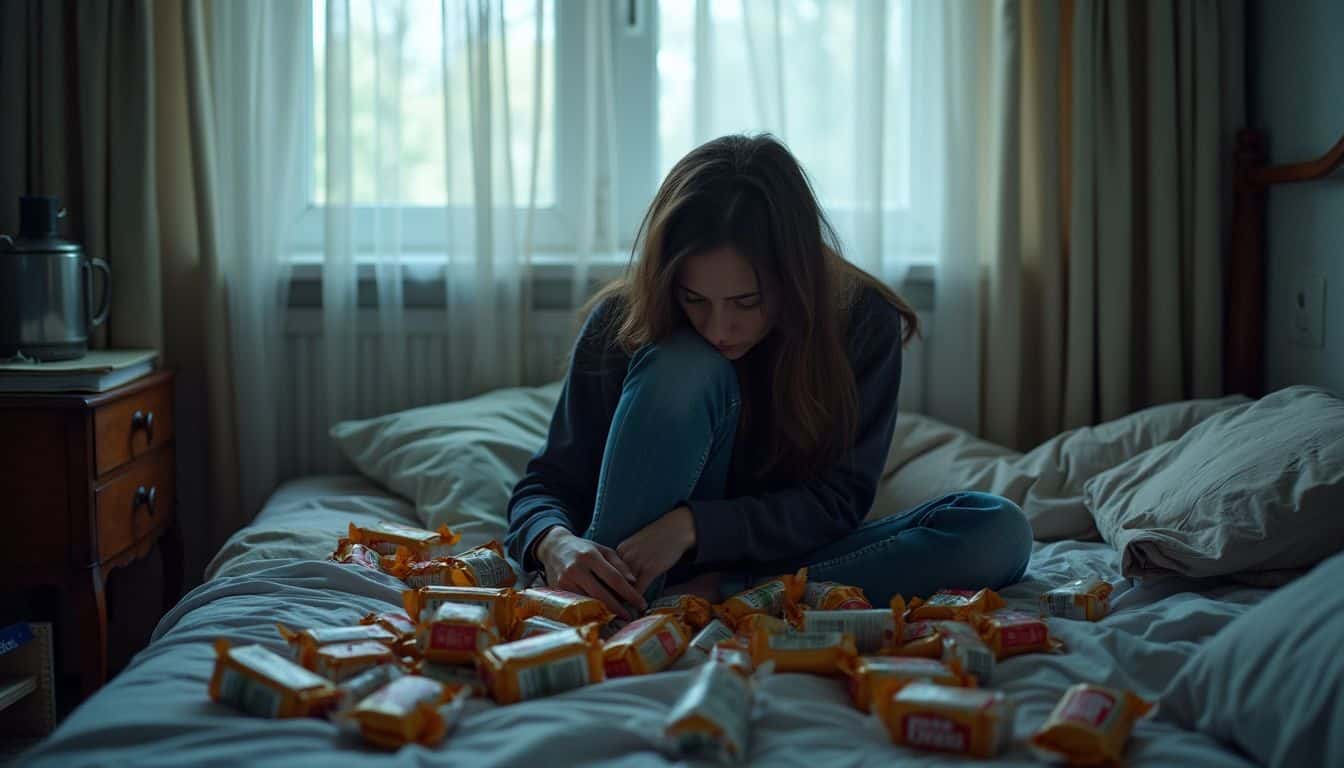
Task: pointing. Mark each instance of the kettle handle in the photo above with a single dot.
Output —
(105, 301)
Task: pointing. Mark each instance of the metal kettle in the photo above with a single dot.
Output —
(46, 288)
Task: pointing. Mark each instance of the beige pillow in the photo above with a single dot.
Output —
(457, 462)
(1257, 490)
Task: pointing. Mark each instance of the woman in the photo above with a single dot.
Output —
(728, 410)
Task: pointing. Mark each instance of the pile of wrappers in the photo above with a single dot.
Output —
(922, 669)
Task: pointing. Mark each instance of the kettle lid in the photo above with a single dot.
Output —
(38, 216)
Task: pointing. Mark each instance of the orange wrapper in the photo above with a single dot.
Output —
(1083, 600)
(818, 653)
(954, 604)
(365, 683)
(872, 629)
(398, 624)
(420, 603)
(409, 710)
(537, 625)
(543, 665)
(304, 644)
(874, 679)
(645, 646)
(759, 622)
(712, 719)
(384, 537)
(772, 598)
(1008, 632)
(1089, 725)
(350, 553)
(966, 721)
(559, 605)
(830, 596)
(455, 634)
(703, 645)
(483, 566)
(695, 612)
(918, 639)
(962, 644)
(342, 661)
(266, 684)
(455, 676)
(732, 655)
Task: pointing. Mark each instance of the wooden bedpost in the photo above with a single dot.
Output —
(1244, 308)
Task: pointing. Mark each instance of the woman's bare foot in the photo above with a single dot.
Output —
(705, 585)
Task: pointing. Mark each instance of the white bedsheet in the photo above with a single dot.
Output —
(157, 712)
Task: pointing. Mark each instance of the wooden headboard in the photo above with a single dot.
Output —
(1244, 290)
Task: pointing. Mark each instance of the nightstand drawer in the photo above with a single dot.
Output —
(135, 504)
(132, 426)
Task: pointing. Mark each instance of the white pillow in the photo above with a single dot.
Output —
(1272, 681)
(457, 462)
(1256, 490)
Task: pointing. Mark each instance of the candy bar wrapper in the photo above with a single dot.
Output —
(350, 553)
(645, 646)
(456, 633)
(408, 710)
(965, 721)
(703, 643)
(304, 644)
(695, 612)
(872, 629)
(483, 566)
(398, 624)
(1008, 633)
(818, 653)
(918, 639)
(263, 683)
(559, 605)
(759, 622)
(537, 625)
(1089, 726)
(456, 675)
(962, 644)
(712, 719)
(772, 598)
(831, 596)
(355, 689)
(342, 661)
(873, 680)
(954, 604)
(421, 603)
(384, 537)
(543, 665)
(1082, 600)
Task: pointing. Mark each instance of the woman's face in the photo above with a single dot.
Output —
(722, 299)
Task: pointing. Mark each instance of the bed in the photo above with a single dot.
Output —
(276, 570)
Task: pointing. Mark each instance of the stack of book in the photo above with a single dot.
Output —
(97, 371)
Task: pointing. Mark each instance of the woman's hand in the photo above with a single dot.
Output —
(656, 547)
(585, 567)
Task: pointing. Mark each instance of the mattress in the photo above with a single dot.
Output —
(157, 712)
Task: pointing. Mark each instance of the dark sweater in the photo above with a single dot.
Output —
(761, 520)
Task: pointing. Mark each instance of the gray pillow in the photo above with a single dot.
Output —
(1272, 681)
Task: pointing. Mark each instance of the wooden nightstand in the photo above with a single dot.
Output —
(86, 486)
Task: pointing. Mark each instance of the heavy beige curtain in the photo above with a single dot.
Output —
(1111, 149)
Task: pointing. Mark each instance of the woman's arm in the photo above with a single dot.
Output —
(795, 520)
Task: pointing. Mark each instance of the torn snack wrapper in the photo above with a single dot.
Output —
(918, 639)
(409, 710)
(420, 603)
(342, 661)
(954, 604)
(304, 644)
(1009, 632)
(967, 721)
(693, 611)
(543, 665)
(712, 719)
(818, 653)
(874, 679)
(560, 605)
(832, 596)
(350, 553)
(263, 683)
(773, 597)
(703, 643)
(962, 644)
(456, 633)
(483, 566)
(384, 537)
(646, 645)
(1082, 600)
(1089, 726)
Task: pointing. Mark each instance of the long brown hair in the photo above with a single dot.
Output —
(749, 192)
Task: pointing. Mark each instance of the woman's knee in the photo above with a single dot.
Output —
(997, 538)
(683, 366)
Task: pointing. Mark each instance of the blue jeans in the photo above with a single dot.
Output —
(671, 439)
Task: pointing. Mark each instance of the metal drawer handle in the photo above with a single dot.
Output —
(145, 421)
(146, 498)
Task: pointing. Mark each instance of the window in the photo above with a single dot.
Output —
(659, 110)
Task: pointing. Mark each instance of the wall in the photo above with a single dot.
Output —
(1296, 96)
